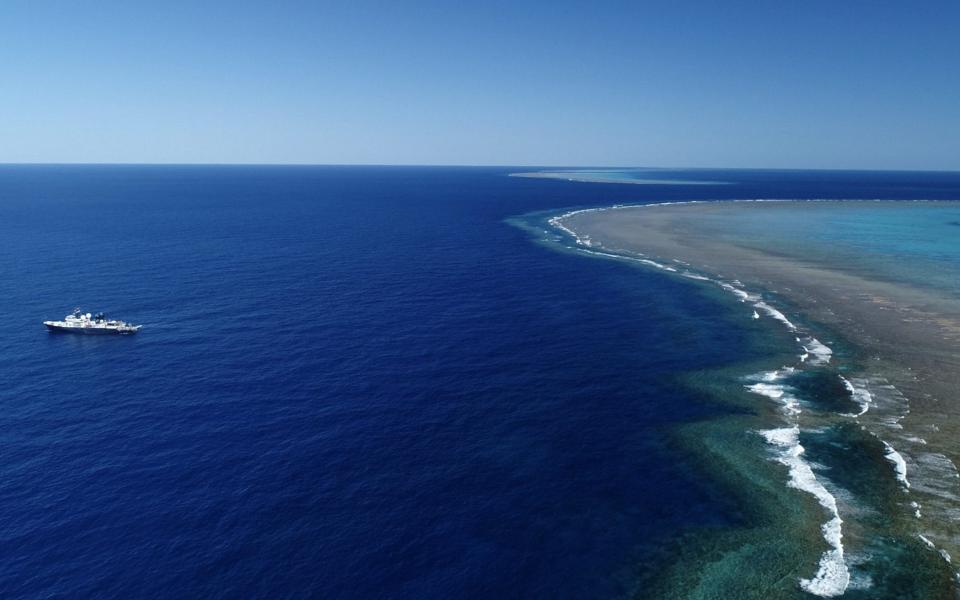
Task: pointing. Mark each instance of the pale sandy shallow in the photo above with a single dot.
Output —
(910, 337)
(598, 177)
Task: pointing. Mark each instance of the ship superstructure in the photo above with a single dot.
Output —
(86, 323)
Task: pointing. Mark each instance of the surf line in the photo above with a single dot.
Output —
(833, 576)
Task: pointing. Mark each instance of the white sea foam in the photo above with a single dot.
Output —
(933, 478)
(778, 374)
(789, 402)
(860, 395)
(653, 263)
(776, 314)
(820, 353)
(832, 577)
(769, 387)
(814, 350)
(740, 293)
(784, 437)
(943, 553)
(758, 303)
(899, 464)
(558, 222)
(645, 261)
(765, 389)
(818, 350)
(931, 473)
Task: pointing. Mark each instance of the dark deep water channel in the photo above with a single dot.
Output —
(351, 382)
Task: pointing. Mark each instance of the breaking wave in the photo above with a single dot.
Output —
(939, 476)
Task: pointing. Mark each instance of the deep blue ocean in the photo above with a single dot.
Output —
(352, 382)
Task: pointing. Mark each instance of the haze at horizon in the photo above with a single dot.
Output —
(740, 84)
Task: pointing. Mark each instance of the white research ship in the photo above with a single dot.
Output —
(97, 324)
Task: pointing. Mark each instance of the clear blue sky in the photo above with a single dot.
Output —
(838, 84)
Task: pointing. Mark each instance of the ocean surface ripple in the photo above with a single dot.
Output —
(360, 382)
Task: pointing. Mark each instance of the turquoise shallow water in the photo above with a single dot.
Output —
(857, 488)
(631, 176)
(823, 498)
(917, 243)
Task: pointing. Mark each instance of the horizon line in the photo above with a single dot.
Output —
(462, 166)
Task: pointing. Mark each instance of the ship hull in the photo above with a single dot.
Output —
(87, 330)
